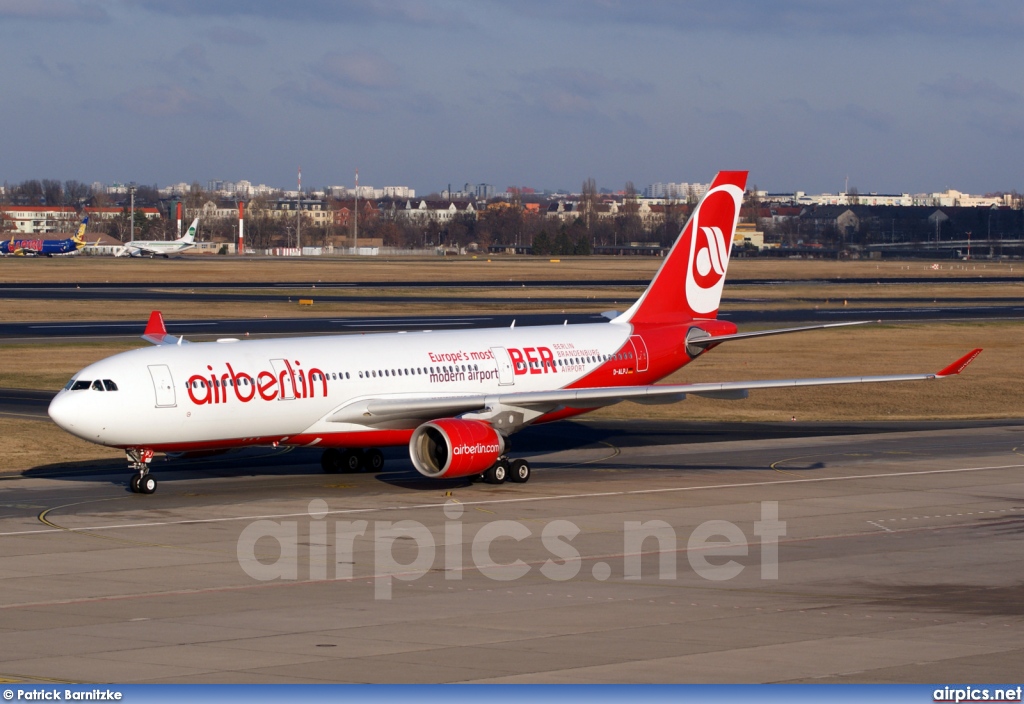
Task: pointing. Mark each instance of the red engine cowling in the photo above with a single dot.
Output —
(449, 448)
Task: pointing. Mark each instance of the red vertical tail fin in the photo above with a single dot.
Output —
(689, 283)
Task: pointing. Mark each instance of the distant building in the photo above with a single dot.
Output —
(44, 219)
(676, 191)
(438, 211)
(38, 219)
(109, 213)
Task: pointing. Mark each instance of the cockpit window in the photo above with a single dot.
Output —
(111, 386)
(79, 385)
(97, 385)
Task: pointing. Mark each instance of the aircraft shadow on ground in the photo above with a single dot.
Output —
(555, 437)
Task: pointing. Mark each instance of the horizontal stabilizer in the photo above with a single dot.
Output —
(699, 340)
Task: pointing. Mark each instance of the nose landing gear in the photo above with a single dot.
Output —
(142, 482)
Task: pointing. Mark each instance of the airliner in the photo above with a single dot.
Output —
(453, 397)
(45, 248)
(150, 248)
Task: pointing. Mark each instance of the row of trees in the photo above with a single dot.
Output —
(515, 222)
(70, 194)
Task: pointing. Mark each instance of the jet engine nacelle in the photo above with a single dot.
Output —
(450, 447)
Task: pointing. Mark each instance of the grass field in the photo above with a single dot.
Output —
(441, 269)
(990, 388)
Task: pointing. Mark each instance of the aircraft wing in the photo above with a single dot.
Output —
(382, 410)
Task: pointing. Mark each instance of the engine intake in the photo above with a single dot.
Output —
(450, 448)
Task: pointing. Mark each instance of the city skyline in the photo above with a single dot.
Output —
(913, 97)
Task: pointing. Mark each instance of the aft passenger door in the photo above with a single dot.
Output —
(506, 375)
(640, 348)
(163, 385)
(284, 379)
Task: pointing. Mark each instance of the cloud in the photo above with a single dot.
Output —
(170, 101)
(53, 10)
(959, 87)
(413, 12)
(192, 56)
(318, 93)
(950, 18)
(574, 92)
(1003, 125)
(61, 71)
(357, 81)
(231, 36)
(849, 114)
(358, 69)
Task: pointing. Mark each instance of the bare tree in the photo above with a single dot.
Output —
(588, 202)
(195, 197)
(53, 192)
(28, 192)
(75, 193)
(628, 224)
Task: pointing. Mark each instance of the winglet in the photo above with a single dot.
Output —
(156, 331)
(960, 364)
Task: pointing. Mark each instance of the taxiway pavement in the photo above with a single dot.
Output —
(900, 562)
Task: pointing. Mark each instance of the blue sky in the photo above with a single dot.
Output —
(915, 95)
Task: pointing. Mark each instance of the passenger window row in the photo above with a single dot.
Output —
(418, 371)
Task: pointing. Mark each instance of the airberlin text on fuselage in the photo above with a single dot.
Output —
(266, 385)
(477, 449)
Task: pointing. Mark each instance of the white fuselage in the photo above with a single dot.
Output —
(140, 248)
(233, 393)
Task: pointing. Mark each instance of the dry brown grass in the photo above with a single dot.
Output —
(990, 388)
(48, 367)
(498, 267)
(33, 443)
(65, 311)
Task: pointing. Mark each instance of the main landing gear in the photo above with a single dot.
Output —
(504, 469)
(142, 482)
(348, 461)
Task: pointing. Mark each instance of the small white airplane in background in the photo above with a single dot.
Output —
(151, 248)
(452, 397)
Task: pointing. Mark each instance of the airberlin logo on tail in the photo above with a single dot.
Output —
(709, 247)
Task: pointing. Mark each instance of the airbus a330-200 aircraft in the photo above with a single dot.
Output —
(454, 397)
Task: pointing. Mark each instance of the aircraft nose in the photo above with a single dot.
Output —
(62, 412)
(72, 412)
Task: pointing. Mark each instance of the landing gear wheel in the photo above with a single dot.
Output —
(330, 461)
(519, 471)
(350, 461)
(147, 484)
(498, 472)
(138, 459)
(373, 460)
